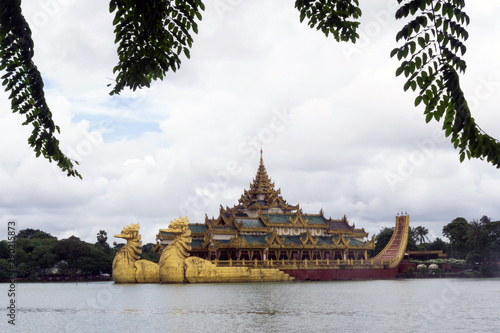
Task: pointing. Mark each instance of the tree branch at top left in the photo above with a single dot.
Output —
(24, 82)
(151, 36)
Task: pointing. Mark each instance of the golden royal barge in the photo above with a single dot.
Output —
(264, 232)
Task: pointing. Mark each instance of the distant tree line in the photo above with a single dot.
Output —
(474, 241)
(40, 255)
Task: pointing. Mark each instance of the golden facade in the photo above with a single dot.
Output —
(263, 227)
(260, 239)
(127, 265)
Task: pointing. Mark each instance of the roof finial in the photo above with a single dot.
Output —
(261, 160)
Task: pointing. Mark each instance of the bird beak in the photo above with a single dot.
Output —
(171, 231)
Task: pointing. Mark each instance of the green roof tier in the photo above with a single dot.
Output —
(249, 223)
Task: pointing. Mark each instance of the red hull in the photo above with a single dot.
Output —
(342, 274)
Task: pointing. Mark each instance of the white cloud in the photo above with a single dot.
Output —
(337, 130)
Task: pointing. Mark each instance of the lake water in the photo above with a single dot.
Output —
(440, 305)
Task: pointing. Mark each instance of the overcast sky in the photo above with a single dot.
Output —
(337, 130)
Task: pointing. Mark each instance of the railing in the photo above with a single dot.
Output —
(305, 264)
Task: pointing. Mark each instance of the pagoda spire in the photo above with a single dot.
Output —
(262, 192)
(261, 183)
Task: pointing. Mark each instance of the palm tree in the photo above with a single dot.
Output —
(421, 233)
(474, 232)
(102, 237)
(412, 233)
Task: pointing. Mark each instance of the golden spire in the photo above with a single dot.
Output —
(261, 184)
(262, 191)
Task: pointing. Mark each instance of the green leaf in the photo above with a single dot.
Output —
(340, 18)
(168, 23)
(399, 70)
(25, 84)
(437, 27)
(428, 117)
(418, 62)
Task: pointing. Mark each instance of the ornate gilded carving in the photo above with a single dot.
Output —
(370, 244)
(345, 240)
(202, 271)
(238, 242)
(298, 220)
(308, 239)
(336, 240)
(341, 241)
(208, 238)
(127, 265)
(173, 257)
(262, 193)
(275, 239)
(177, 267)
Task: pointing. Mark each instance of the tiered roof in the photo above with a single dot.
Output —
(262, 207)
(260, 210)
(262, 194)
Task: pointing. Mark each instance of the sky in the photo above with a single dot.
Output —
(337, 130)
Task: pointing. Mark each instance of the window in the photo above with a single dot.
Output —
(244, 255)
(316, 255)
(283, 255)
(223, 255)
(233, 255)
(306, 255)
(256, 255)
(272, 255)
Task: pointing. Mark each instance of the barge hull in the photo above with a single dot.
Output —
(342, 274)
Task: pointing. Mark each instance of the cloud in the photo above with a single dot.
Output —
(337, 130)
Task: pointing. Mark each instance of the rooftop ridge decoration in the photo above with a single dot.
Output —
(262, 193)
(208, 238)
(297, 219)
(238, 242)
(308, 239)
(275, 239)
